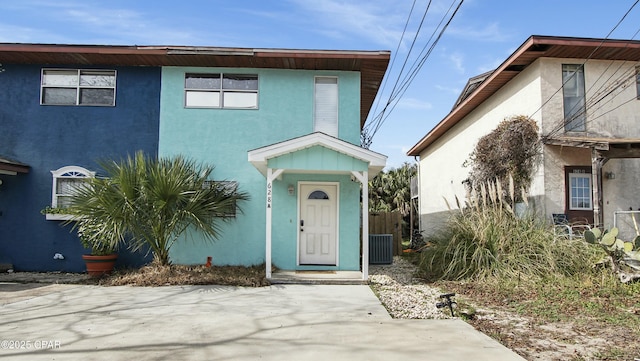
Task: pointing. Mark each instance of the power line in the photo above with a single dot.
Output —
(367, 133)
(398, 91)
(384, 83)
(560, 127)
(417, 68)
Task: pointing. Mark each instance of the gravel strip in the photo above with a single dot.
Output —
(403, 295)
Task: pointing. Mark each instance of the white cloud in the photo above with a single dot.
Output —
(377, 21)
(66, 21)
(413, 103)
(457, 61)
(490, 33)
(20, 34)
(448, 89)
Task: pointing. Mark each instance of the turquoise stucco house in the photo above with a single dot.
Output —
(284, 126)
(281, 125)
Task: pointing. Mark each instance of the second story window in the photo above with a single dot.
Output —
(573, 98)
(238, 91)
(325, 117)
(638, 81)
(78, 87)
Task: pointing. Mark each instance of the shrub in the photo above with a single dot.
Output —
(151, 202)
(486, 239)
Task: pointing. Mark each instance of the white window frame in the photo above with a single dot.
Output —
(575, 120)
(572, 196)
(218, 95)
(78, 87)
(326, 120)
(68, 172)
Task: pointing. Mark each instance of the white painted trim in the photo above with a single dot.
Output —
(58, 217)
(337, 184)
(271, 176)
(316, 122)
(259, 157)
(58, 174)
(363, 178)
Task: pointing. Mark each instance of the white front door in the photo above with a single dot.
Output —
(318, 224)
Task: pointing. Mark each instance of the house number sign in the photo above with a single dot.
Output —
(269, 191)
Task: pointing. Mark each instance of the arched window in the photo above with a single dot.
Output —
(318, 195)
(65, 181)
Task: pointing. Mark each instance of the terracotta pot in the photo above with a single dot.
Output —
(98, 266)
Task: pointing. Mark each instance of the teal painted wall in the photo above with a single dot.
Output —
(318, 158)
(223, 137)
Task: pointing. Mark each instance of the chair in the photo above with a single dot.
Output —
(562, 226)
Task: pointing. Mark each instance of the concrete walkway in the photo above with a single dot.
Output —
(281, 322)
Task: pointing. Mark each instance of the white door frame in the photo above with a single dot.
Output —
(337, 202)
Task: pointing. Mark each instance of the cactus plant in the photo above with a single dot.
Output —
(623, 256)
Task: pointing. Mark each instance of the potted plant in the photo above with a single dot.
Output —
(56, 214)
(102, 244)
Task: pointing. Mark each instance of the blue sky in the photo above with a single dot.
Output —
(480, 37)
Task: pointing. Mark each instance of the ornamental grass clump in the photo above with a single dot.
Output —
(487, 240)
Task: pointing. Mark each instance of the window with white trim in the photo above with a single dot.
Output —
(580, 191)
(65, 181)
(237, 91)
(224, 187)
(78, 87)
(574, 98)
(325, 118)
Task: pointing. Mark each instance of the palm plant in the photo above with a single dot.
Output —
(391, 190)
(151, 202)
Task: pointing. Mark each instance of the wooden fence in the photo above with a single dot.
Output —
(388, 223)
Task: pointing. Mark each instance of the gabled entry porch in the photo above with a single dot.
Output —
(316, 203)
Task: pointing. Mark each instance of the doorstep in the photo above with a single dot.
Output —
(318, 277)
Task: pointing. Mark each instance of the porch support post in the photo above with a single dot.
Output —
(272, 174)
(597, 161)
(363, 177)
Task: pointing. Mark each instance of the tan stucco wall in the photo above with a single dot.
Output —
(441, 165)
(614, 115)
(618, 114)
(555, 159)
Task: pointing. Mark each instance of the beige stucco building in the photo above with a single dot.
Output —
(584, 95)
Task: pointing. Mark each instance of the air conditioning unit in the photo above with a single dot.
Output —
(380, 249)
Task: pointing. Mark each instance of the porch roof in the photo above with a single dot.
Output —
(261, 156)
(534, 48)
(12, 167)
(608, 146)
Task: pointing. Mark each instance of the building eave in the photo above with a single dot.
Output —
(11, 167)
(259, 157)
(372, 65)
(532, 49)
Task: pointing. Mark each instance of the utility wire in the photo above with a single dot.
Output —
(399, 90)
(415, 71)
(384, 83)
(560, 127)
(381, 116)
(369, 134)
